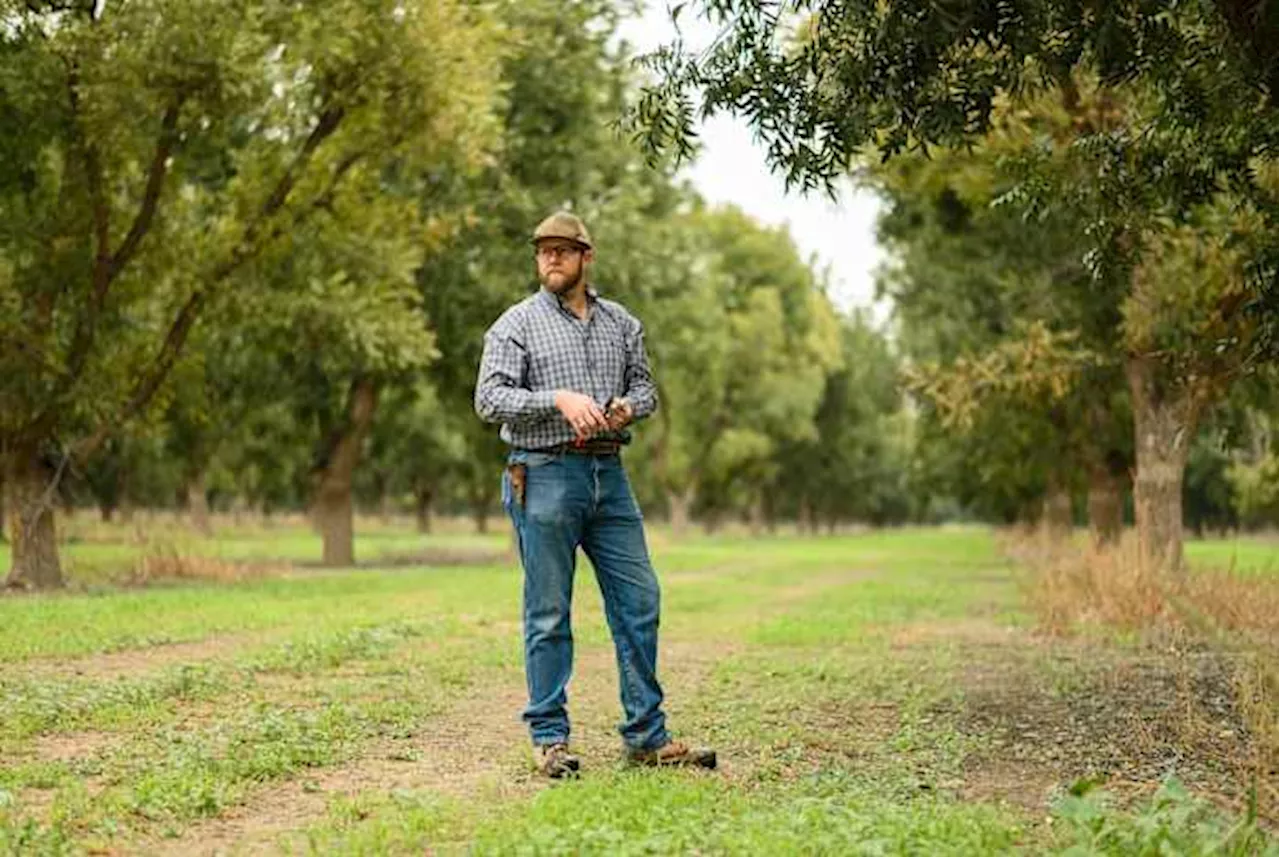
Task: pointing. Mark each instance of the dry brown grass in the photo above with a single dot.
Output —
(1233, 616)
(163, 562)
(1114, 586)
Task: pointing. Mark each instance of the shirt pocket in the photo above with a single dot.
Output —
(609, 353)
(542, 361)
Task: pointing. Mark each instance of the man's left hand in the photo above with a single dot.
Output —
(619, 414)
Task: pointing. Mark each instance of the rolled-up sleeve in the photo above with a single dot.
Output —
(501, 395)
(642, 392)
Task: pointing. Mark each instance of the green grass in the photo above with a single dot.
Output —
(76, 623)
(640, 813)
(834, 678)
(1246, 555)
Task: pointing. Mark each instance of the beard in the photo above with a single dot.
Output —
(564, 280)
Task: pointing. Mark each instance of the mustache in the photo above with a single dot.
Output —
(567, 283)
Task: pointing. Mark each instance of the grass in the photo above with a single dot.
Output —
(879, 693)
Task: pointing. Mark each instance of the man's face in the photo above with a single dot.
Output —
(561, 264)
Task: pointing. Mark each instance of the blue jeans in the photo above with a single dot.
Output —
(573, 500)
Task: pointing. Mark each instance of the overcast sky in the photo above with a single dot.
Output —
(732, 168)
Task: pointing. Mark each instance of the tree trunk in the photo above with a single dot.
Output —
(678, 505)
(4, 521)
(332, 508)
(32, 496)
(198, 503)
(1106, 505)
(107, 511)
(808, 519)
(1055, 515)
(755, 517)
(423, 499)
(1164, 423)
(382, 489)
(480, 514)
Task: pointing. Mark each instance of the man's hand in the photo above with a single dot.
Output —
(582, 412)
(619, 414)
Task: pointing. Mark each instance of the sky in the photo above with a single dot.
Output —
(731, 169)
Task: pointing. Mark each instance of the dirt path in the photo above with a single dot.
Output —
(150, 658)
(477, 748)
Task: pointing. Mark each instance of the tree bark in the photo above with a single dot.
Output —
(32, 498)
(198, 503)
(1164, 423)
(331, 507)
(423, 501)
(678, 505)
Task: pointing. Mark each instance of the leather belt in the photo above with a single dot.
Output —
(589, 447)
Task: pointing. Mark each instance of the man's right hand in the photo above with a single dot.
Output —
(582, 412)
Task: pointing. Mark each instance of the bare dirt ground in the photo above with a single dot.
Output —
(154, 657)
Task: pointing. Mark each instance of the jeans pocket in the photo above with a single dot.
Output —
(538, 459)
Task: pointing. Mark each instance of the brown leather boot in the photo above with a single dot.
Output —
(674, 754)
(554, 761)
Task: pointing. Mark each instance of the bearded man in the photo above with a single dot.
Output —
(565, 373)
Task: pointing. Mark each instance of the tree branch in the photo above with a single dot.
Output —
(86, 323)
(327, 124)
(155, 183)
(322, 200)
(149, 382)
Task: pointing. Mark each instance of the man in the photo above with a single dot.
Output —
(565, 372)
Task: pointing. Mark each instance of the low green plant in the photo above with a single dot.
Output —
(1173, 822)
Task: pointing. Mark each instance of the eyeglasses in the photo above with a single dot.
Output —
(545, 252)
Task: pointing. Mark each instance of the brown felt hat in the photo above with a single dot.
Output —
(562, 224)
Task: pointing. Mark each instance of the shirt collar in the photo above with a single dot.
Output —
(553, 301)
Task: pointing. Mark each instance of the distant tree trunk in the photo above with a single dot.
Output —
(755, 516)
(1164, 423)
(1106, 505)
(424, 497)
(381, 486)
(32, 498)
(331, 507)
(480, 514)
(198, 503)
(678, 505)
(808, 520)
(1055, 515)
(107, 510)
(770, 511)
(4, 524)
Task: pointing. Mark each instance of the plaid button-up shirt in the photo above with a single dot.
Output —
(539, 346)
